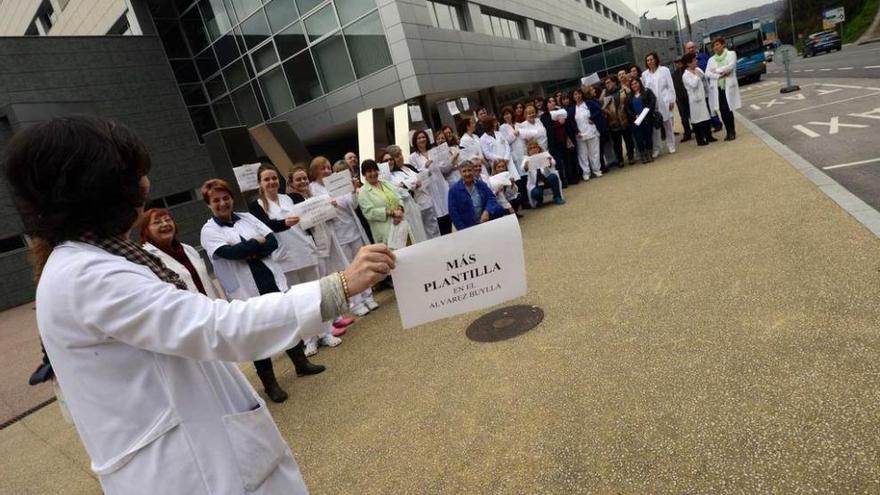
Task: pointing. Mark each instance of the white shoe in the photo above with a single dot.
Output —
(656, 154)
(360, 310)
(371, 304)
(671, 150)
(597, 174)
(330, 341)
(312, 348)
(586, 177)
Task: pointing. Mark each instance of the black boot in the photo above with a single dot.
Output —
(270, 385)
(301, 363)
(730, 136)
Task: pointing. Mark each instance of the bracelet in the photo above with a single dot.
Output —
(345, 289)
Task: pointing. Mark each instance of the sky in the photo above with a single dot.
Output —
(697, 9)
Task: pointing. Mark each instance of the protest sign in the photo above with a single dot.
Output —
(415, 113)
(439, 156)
(397, 235)
(246, 177)
(539, 161)
(384, 171)
(559, 114)
(465, 106)
(314, 210)
(468, 270)
(641, 117)
(499, 181)
(339, 184)
(590, 80)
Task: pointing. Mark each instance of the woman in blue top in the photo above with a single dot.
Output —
(471, 202)
(640, 99)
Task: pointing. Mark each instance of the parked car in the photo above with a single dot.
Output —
(824, 41)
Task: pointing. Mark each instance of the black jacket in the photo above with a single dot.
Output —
(650, 102)
(570, 127)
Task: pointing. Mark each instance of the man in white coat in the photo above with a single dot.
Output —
(146, 366)
(724, 95)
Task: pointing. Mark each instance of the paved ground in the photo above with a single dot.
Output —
(853, 61)
(712, 326)
(20, 347)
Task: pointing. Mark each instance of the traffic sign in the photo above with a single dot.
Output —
(834, 16)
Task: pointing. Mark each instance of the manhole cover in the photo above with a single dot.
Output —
(504, 323)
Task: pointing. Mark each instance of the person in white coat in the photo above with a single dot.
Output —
(405, 176)
(453, 172)
(510, 134)
(694, 82)
(496, 147)
(587, 138)
(437, 185)
(529, 129)
(659, 80)
(724, 95)
(469, 143)
(147, 366)
(412, 211)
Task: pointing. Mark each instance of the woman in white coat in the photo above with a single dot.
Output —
(724, 95)
(659, 80)
(496, 147)
(437, 186)
(510, 134)
(529, 129)
(412, 211)
(469, 143)
(453, 173)
(405, 176)
(695, 84)
(146, 366)
(587, 137)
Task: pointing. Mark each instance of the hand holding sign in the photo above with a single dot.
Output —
(370, 266)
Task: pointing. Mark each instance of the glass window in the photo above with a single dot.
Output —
(193, 94)
(215, 87)
(206, 63)
(306, 5)
(172, 38)
(255, 29)
(226, 49)
(264, 57)
(244, 7)
(184, 71)
(302, 77)
(281, 13)
(246, 106)
(216, 20)
(225, 112)
(194, 30)
(321, 23)
(291, 41)
(276, 92)
(543, 33)
(367, 45)
(445, 16)
(350, 10)
(236, 74)
(334, 68)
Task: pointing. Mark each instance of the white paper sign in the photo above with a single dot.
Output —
(246, 176)
(339, 184)
(468, 270)
(453, 108)
(539, 161)
(499, 181)
(314, 210)
(469, 153)
(465, 106)
(590, 80)
(397, 235)
(439, 156)
(384, 171)
(641, 116)
(559, 114)
(415, 113)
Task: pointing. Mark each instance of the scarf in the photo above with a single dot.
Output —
(137, 255)
(719, 61)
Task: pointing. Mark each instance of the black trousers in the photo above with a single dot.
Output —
(445, 224)
(604, 138)
(522, 185)
(703, 131)
(684, 111)
(265, 365)
(572, 167)
(617, 140)
(557, 151)
(726, 114)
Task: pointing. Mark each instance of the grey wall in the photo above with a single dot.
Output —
(126, 78)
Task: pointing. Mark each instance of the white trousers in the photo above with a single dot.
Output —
(670, 136)
(588, 155)
(350, 251)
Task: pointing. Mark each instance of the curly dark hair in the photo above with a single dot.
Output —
(77, 174)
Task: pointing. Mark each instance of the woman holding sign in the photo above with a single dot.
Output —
(406, 176)
(659, 80)
(437, 186)
(346, 227)
(640, 100)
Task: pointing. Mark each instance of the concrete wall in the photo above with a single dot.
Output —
(124, 78)
(79, 17)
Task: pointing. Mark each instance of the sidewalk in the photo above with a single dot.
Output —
(711, 327)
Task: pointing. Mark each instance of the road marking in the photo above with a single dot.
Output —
(816, 106)
(872, 66)
(844, 68)
(806, 131)
(850, 164)
(799, 96)
(809, 70)
(834, 125)
(823, 92)
(755, 107)
(870, 114)
(824, 70)
(845, 86)
(796, 71)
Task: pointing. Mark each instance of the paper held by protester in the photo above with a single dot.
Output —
(439, 156)
(540, 161)
(559, 115)
(641, 117)
(469, 153)
(246, 177)
(469, 270)
(397, 235)
(499, 181)
(590, 80)
(384, 171)
(314, 211)
(423, 176)
(339, 184)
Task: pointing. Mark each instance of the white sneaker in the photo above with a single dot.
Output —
(371, 304)
(597, 174)
(330, 341)
(656, 154)
(360, 310)
(312, 348)
(671, 150)
(586, 177)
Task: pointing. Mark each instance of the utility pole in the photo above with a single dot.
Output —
(687, 19)
(793, 31)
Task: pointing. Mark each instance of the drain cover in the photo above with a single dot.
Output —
(504, 323)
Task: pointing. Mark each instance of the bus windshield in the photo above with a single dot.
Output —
(747, 43)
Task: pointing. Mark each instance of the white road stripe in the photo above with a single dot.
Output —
(850, 164)
(815, 107)
(809, 70)
(755, 107)
(847, 86)
(796, 71)
(844, 68)
(872, 66)
(806, 131)
(824, 70)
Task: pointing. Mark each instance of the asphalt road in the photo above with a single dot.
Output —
(852, 62)
(833, 121)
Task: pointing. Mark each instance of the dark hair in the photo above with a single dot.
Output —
(147, 219)
(490, 122)
(719, 39)
(416, 138)
(656, 58)
(509, 110)
(538, 98)
(612, 78)
(688, 58)
(368, 165)
(462, 126)
(577, 90)
(77, 174)
(639, 81)
(212, 185)
(637, 68)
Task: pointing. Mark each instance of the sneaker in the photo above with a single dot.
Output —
(559, 201)
(372, 305)
(311, 348)
(343, 322)
(330, 341)
(655, 154)
(597, 174)
(671, 151)
(585, 177)
(360, 310)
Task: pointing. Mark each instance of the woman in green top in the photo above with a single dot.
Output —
(724, 95)
(379, 202)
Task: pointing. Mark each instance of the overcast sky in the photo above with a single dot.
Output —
(697, 9)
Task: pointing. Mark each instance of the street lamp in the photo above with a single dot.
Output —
(677, 24)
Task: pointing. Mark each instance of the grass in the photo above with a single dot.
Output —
(856, 25)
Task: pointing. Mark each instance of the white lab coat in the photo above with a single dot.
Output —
(197, 263)
(471, 141)
(296, 249)
(731, 85)
(660, 82)
(496, 148)
(235, 276)
(695, 84)
(437, 186)
(529, 131)
(146, 372)
(516, 155)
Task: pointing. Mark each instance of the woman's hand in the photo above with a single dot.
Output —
(428, 163)
(291, 221)
(370, 266)
(484, 217)
(671, 106)
(333, 202)
(260, 239)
